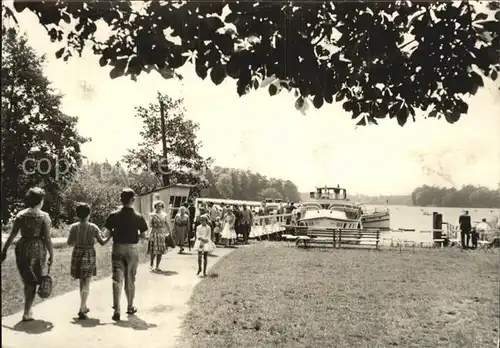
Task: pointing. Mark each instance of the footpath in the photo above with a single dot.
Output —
(161, 299)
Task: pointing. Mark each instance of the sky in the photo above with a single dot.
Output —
(267, 135)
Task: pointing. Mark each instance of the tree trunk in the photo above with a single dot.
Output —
(164, 163)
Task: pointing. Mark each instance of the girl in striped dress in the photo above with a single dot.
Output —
(160, 228)
(82, 236)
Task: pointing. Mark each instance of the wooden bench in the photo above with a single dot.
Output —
(289, 238)
(362, 238)
(320, 236)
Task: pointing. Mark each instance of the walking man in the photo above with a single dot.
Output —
(465, 228)
(125, 227)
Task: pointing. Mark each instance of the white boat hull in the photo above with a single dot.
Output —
(379, 220)
(328, 219)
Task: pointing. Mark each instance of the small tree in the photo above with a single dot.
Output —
(183, 163)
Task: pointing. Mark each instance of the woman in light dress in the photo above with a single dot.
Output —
(203, 244)
(160, 228)
(228, 233)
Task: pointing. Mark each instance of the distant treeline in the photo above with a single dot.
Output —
(247, 185)
(468, 196)
(375, 200)
(382, 199)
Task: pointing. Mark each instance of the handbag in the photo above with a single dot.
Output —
(169, 240)
(45, 287)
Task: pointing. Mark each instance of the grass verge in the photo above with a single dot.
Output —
(270, 296)
(12, 286)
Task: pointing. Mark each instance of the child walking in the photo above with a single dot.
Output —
(203, 244)
(82, 236)
(217, 230)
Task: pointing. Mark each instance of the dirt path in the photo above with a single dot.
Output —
(160, 298)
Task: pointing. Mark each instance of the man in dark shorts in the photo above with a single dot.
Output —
(465, 229)
(126, 226)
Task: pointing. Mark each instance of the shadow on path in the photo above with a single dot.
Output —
(165, 273)
(34, 327)
(91, 322)
(135, 323)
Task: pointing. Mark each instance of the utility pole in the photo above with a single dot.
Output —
(164, 162)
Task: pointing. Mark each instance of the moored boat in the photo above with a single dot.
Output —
(329, 207)
(378, 219)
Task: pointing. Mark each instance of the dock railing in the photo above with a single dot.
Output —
(265, 225)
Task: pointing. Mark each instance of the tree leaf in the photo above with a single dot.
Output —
(402, 115)
(60, 52)
(65, 17)
(318, 101)
(480, 17)
(494, 75)
(218, 74)
(299, 103)
(119, 68)
(273, 89)
(201, 70)
(340, 95)
(103, 61)
(433, 113)
(348, 105)
(361, 122)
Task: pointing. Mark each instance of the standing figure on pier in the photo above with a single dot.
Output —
(228, 233)
(246, 222)
(465, 229)
(181, 228)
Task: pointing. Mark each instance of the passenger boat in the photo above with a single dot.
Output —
(377, 219)
(329, 207)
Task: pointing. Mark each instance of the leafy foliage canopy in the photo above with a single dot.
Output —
(378, 58)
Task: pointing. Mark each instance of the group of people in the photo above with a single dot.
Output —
(34, 251)
(469, 235)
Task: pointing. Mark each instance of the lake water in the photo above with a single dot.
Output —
(420, 219)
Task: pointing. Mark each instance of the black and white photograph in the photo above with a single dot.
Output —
(261, 174)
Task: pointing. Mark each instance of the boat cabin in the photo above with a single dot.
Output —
(331, 193)
(323, 197)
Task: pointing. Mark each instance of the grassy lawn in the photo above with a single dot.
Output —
(12, 286)
(272, 296)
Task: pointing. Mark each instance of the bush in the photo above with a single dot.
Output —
(60, 232)
(103, 197)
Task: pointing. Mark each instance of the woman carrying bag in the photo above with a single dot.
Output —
(31, 249)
